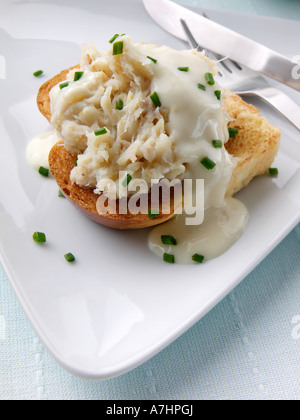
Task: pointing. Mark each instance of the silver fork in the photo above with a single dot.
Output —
(246, 82)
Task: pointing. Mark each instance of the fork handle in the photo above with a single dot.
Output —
(280, 101)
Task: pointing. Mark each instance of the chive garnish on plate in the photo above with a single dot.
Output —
(43, 171)
(60, 194)
(218, 94)
(127, 180)
(202, 87)
(119, 105)
(78, 75)
(38, 73)
(69, 257)
(100, 132)
(233, 132)
(118, 48)
(153, 213)
(208, 163)
(273, 171)
(184, 69)
(169, 258)
(168, 240)
(198, 258)
(152, 59)
(63, 85)
(113, 38)
(155, 99)
(39, 237)
(209, 79)
(218, 144)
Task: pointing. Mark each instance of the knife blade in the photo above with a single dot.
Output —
(222, 40)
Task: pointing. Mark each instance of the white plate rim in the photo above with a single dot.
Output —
(140, 358)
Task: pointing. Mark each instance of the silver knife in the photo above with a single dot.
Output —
(222, 40)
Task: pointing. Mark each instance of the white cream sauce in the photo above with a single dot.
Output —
(196, 118)
(221, 228)
(37, 151)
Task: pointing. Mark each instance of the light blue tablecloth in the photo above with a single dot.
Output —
(248, 347)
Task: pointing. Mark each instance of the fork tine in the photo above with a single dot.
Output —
(194, 44)
(272, 96)
(190, 38)
(237, 65)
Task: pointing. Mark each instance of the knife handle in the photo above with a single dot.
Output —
(279, 101)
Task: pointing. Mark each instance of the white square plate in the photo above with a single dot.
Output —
(118, 305)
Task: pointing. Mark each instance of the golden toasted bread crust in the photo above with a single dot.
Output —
(255, 146)
(43, 99)
(61, 163)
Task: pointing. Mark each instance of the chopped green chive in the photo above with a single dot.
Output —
(78, 75)
(169, 258)
(100, 132)
(70, 257)
(155, 99)
(152, 59)
(198, 258)
(39, 237)
(207, 163)
(153, 213)
(273, 171)
(76, 162)
(127, 180)
(218, 94)
(209, 79)
(38, 73)
(64, 85)
(168, 240)
(218, 144)
(233, 132)
(60, 194)
(202, 87)
(185, 69)
(43, 171)
(119, 105)
(118, 48)
(113, 38)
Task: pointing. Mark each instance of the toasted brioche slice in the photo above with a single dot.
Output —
(62, 162)
(43, 98)
(256, 146)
